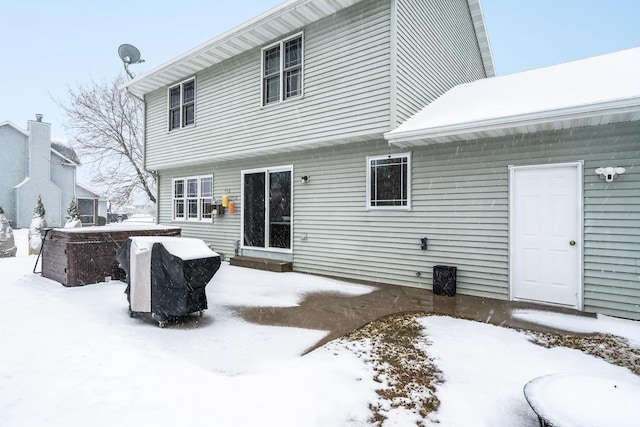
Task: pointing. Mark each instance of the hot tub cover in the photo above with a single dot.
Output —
(167, 276)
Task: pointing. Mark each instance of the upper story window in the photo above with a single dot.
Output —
(182, 104)
(389, 182)
(282, 70)
(193, 198)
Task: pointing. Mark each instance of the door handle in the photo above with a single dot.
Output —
(572, 242)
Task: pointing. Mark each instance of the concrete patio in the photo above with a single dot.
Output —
(342, 314)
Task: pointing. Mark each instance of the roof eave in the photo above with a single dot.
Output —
(65, 157)
(16, 127)
(616, 111)
(249, 35)
(477, 17)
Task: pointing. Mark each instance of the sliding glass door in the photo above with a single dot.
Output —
(266, 222)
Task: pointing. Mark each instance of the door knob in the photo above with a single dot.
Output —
(572, 242)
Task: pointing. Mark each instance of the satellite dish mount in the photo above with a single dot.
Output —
(129, 55)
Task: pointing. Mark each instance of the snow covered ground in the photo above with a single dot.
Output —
(73, 357)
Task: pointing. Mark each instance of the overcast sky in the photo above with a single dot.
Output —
(50, 45)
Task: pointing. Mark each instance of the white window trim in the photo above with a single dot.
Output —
(185, 198)
(387, 208)
(281, 91)
(195, 106)
(286, 168)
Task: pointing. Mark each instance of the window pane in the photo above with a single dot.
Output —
(178, 188)
(174, 118)
(206, 208)
(192, 206)
(292, 52)
(272, 60)
(86, 208)
(192, 187)
(179, 209)
(189, 114)
(280, 210)
(206, 187)
(174, 97)
(292, 83)
(272, 89)
(188, 92)
(254, 210)
(389, 182)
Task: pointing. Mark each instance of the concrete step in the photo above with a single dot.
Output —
(262, 264)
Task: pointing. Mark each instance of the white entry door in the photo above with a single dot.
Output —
(545, 234)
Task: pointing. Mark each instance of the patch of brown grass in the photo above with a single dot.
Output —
(610, 348)
(408, 376)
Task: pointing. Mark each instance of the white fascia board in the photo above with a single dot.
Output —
(479, 25)
(457, 131)
(16, 127)
(248, 33)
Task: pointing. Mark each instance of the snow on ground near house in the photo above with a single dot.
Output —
(604, 324)
(485, 368)
(73, 357)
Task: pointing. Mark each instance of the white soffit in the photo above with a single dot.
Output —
(289, 16)
(282, 19)
(598, 90)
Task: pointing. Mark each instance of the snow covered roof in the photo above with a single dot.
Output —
(84, 192)
(589, 92)
(276, 22)
(14, 126)
(65, 150)
(58, 145)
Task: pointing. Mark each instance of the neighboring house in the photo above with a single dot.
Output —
(32, 165)
(509, 186)
(91, 206)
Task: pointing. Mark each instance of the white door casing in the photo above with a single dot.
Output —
(545, 233)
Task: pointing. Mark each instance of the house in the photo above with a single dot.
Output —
(541, 171)
(285, 115)
(284, 119)
(33, 164)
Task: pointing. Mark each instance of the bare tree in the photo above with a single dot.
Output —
(107, 125)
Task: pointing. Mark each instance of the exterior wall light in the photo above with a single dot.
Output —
(609, 173)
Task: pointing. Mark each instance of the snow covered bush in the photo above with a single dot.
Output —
(73, 216)
(38, 222)
(7, 243)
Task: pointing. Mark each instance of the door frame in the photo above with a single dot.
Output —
(579, 165)
(266, 171)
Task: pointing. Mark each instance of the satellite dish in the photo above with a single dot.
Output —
(129, 55)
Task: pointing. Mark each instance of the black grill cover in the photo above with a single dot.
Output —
(177, 285)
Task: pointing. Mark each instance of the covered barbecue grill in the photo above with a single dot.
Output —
(167, 276)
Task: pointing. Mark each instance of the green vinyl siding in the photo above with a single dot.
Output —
(460, 195)
(346, 96)
(436, 49)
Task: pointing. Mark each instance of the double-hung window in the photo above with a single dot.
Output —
(282, 70)
(389, 182)
(193, 198)
(182, 104)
